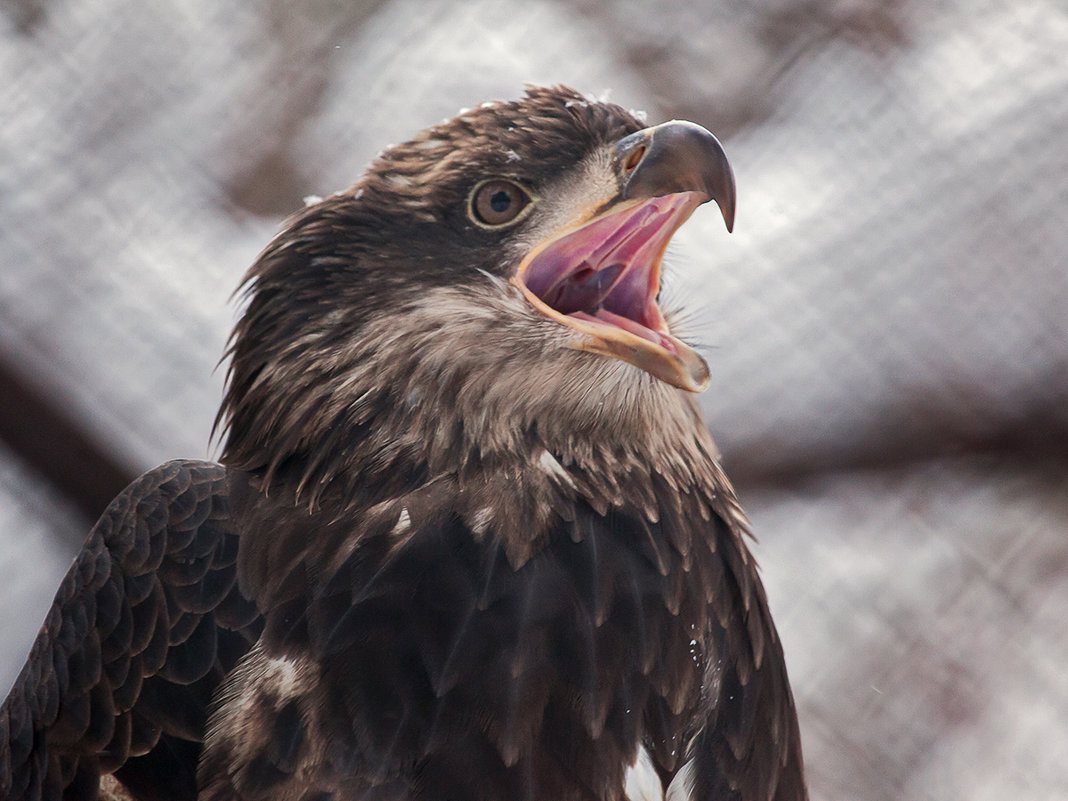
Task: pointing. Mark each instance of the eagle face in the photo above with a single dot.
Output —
(579, 226)
(503, 265)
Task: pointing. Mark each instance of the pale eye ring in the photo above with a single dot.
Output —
(498, 203)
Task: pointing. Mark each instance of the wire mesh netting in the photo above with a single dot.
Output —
(887, 327)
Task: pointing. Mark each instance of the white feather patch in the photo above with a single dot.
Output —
(681, 787)
(481, 522)
(287, 677)
(641, 782)
(112, 790)
(553, 467)
(404, 522)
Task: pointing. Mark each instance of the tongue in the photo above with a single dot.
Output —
(605, 316)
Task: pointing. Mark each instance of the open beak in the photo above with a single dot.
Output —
(601, 274)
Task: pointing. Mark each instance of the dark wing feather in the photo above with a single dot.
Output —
(749, 746)
(146, 623)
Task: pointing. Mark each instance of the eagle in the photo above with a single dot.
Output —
(468, 538)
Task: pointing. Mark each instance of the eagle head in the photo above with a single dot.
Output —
(495, 276)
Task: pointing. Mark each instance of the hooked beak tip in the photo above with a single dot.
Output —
(676, 156)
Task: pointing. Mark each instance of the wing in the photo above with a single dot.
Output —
(145, 625)
(749, 746)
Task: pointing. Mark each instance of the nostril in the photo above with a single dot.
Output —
(634, 158)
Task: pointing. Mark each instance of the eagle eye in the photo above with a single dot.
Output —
(497, 202)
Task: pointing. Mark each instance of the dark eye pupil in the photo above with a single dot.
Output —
(500, 201)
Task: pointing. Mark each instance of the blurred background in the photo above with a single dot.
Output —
(887, 327)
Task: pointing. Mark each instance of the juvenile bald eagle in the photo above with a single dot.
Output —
(469, 539)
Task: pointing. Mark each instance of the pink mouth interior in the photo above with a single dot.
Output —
(608, 271)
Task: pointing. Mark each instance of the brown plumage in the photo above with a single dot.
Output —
(471, 540)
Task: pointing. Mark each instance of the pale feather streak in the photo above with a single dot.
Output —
(641, 781)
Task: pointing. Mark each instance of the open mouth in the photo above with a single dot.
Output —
(603, 279)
